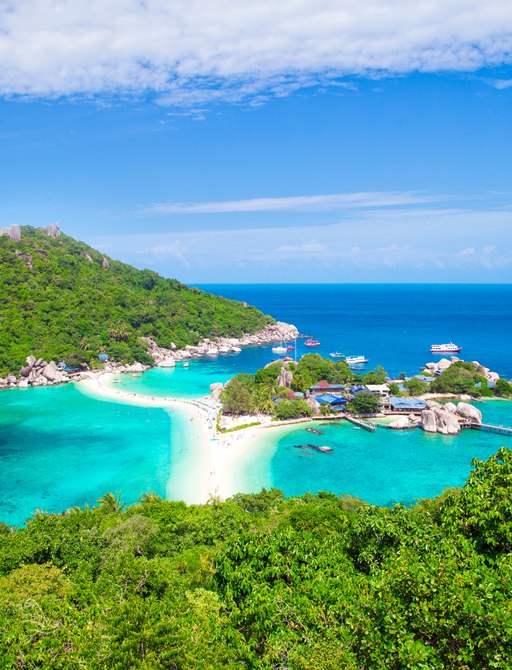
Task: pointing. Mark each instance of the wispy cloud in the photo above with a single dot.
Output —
(367, 245)
(193, 53)
(301, 203)
(501, 84)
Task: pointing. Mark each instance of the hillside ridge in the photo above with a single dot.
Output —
(62, 300)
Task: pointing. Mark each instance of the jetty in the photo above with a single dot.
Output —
(487, 428)
(361, 423)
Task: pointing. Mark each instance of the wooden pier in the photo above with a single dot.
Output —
(488, 428)
(361, 423)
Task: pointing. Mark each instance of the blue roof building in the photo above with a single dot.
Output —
(406, 404)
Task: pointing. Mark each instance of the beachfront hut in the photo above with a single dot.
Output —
(334, 402)
(406, 405)
(355, 389)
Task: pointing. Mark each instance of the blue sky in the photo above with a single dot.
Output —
(330, 141)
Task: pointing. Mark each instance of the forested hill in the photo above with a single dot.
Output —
(261, 582)
(61, 299)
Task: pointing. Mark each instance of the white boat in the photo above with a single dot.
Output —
(336, 354)
(281, 349)
(449, 348)
(356, 360)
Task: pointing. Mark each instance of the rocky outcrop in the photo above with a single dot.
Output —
(314, 404)
(26, 258)
(446, 419)
(444, 364)
(428, 421)
(163, 357)
(402, 423)
(438, 419)
(285, 378)
(216, 390)
(469, 412)
(105, 264)
(13, 232)
(52, 230)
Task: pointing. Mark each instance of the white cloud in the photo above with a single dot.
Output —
(502, 84)
(195, 52)
(302, 203)
(468, 251)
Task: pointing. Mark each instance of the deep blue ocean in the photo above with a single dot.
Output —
(392, 325)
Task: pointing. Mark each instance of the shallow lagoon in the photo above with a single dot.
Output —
(59, 448)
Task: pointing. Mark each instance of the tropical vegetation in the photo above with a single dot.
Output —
(260, 582)
(62, 300)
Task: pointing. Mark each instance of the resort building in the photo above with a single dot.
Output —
(380, 390)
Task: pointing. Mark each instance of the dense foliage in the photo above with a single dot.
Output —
(263, 582)
(69, 306)
(460, 377)
(247, 393)
(364, 403)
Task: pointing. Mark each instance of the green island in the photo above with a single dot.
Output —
(316, 582)
(288, 389)
(63, 300)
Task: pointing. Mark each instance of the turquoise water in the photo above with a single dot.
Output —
(60, 448)
(382, 467)
(184, 382)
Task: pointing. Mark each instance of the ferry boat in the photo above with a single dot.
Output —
(281, 349)
(311, 343)
(449, 348)
(356, 360)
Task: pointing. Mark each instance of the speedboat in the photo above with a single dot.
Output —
(336, 354)
(449, 348)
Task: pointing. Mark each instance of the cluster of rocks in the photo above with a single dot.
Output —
(14, 231)
(447, 419)
(38, 372)
(444, 363)
(404, 422)
(277, 332)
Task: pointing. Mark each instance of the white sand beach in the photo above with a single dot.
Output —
(206, 465)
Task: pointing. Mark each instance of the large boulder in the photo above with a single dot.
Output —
(428, 421)
(51, 372)
(469, 412)
(285, 378)
(446, 422)
(53, 230)
(401, 423)
(314, 404)
(25, 371)
(215, 390)
(450, 407)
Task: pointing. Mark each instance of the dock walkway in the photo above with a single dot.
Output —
(488, 428)
(366, 425)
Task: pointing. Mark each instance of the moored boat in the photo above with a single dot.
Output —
(449, 348)
(279, 350)
(336, 354)
(356, 360)
(312, 343)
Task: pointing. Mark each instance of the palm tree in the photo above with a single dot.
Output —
(111, 503)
